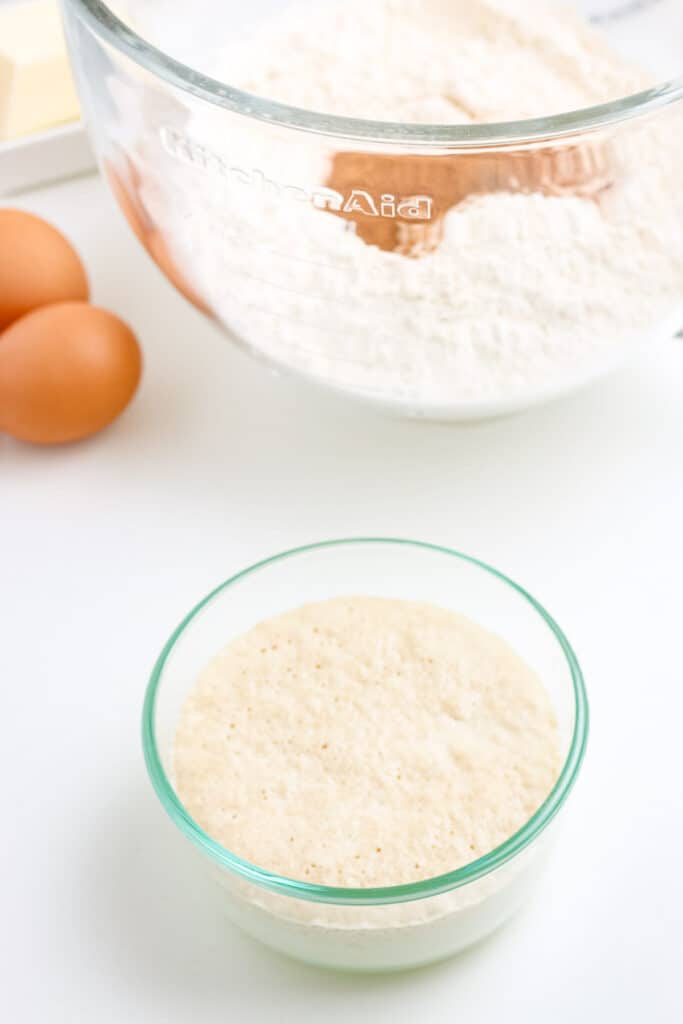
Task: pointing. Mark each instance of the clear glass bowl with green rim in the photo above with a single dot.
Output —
(387, 928)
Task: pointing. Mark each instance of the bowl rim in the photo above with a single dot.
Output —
(112, 30)
(310, 892)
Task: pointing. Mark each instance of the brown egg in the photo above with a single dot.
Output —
(159, 251)
(66, 371)
(37, 266)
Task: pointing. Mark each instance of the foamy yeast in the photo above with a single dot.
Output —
(365, 742)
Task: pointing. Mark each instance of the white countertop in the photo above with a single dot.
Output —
(106, 544)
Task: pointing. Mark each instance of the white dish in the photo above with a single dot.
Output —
(35, 160)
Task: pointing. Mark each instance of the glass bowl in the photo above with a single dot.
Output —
(232, 195)
(382, 928)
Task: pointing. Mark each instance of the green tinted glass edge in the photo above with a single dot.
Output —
(388, 894)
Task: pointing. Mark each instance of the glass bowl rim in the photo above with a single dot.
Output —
(384, 894)
(111, 29)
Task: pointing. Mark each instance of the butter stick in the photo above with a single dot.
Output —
(36, 86)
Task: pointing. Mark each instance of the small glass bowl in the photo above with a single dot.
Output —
(394, 927)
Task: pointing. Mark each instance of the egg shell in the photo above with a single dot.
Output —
(66, 371)
(38, 266)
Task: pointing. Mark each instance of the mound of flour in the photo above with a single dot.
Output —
(443, 61)
(524, 291)
(365, 742)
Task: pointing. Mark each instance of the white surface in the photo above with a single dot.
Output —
(105, 545)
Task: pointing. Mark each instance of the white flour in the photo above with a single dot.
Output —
(434, 61)
(524, 290)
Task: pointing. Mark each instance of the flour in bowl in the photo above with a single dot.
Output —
(532, 268)
(429, 61)
(365, 742)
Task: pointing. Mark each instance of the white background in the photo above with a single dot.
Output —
(105, 545)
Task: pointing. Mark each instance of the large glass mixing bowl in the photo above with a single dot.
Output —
(451, 271)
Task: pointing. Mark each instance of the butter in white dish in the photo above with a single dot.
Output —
(37, 90)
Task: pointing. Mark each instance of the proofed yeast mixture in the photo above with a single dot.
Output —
(365, 742)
